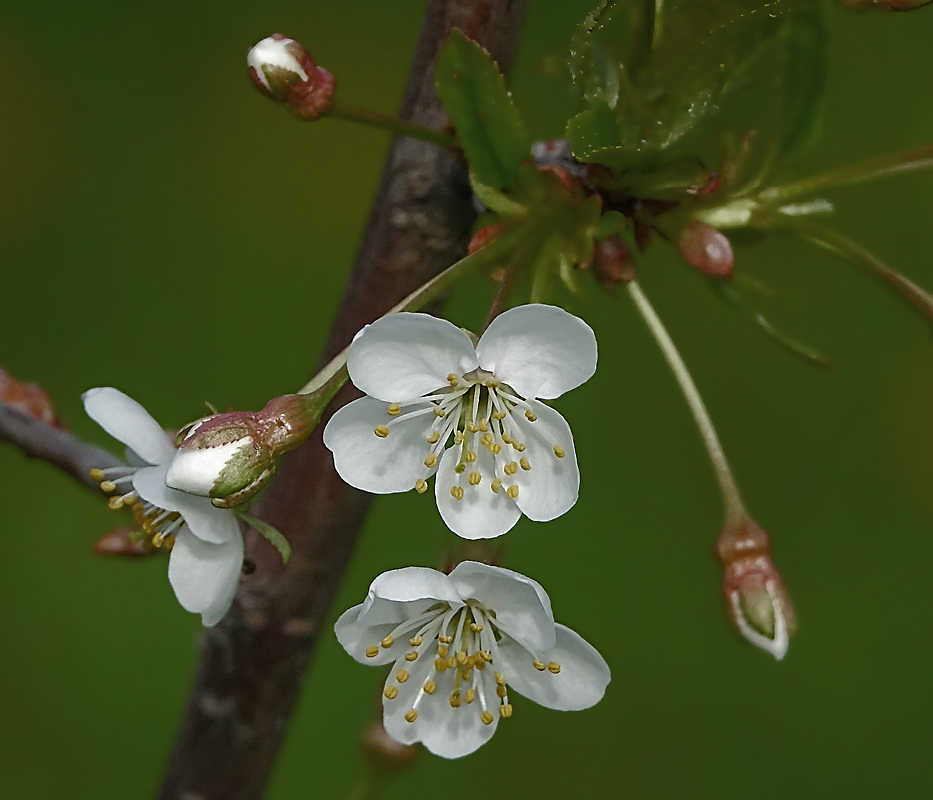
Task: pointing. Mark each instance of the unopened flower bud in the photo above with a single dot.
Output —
(386, 754)
(752, 588)
(706, 248)
(230, 457)
(28, 398)
(124, 542)
(612, 262)
(283, 70)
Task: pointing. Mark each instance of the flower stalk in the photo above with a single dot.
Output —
(734, 507)
(399, 127)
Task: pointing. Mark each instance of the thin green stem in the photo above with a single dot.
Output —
(334, 374)
(505, 288)
(888, 164)
(735, 508)
(399, 127)
(842, 246)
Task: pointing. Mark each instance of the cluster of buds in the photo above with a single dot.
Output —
(230, 457)
(753, 590)
(284, 71)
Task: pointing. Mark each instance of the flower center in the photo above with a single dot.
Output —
(464, 642)
(478, 412)
(157, 526)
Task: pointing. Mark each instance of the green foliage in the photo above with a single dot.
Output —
(272, 535)
(487, 124)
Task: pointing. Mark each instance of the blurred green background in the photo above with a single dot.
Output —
(166, 230)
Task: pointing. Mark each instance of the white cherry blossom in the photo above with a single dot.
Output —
(460, 643)
(471, 414)
(205, 542)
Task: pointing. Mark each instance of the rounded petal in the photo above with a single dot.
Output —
(552, 485)
(539, 350)
(356, 639)
(480, 513)
(380, 466)
(582, 679)
(212, 525)
(522, 606)
(401, 594)
(128, 422)
(404, 356)
(205, 576)
(445, 731)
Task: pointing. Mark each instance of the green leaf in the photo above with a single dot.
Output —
(272, 535)
(486, 122)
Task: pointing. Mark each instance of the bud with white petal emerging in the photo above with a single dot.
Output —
(230, 457)
(284, 71)
(752, 588)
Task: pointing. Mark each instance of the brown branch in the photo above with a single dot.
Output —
(58, 447)
(254, 661)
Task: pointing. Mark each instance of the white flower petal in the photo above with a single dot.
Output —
(195, 470)
(128, 422)
(376, 465)
(205, 576)
(538, 350)
(356, 639)
(582, 679)
(404, 356)
(522, 606)
(552, 485)
(481, 513)
(401, 594)
(213, 525)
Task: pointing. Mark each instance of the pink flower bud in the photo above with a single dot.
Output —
(284, 71)
(612, 262)
(706, 248)
(28, 398)
(753, 590)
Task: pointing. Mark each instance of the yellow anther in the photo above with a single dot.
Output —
(470, 456)
(487, 718)
(483, 426)
(439, 412)
(500, 679)
(520, 446)
(526, 464)
(96, 474)
(387, 642)
(413, 656)
(492, 383)
(558, 451)
(453, 379)
(495, 448)
(421, 485)
(394, 409)
(496, 484)
(501, 692)
(416, 641)
(531, 416)
(157, 540)
(440, 664)
(499, 415)
(460, 468)
(455, 699)
(445, 639)
(451, 662)
(475, 479)
(470, 695)
(461, 658)
(108, 486)
(511, 468)
(411, 716)
(430, 461)
(458, 437)
(456, 492)
(471, 427)
(430, 687)
(434, 438)
(506, 438)
(401, 676)
(381, 431)
(553, 667)
(487, 656)
(539, 666)
(115, 503)
(505, 710)
(391, 692)
(442, 651)
(475, 627)
(486, 440)
(466, 674)
(480, 665)
(513, 491)
(129, 500)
